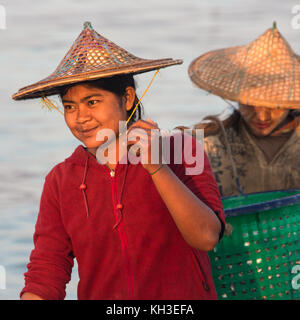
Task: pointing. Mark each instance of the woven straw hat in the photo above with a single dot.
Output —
(264, 73)
(91, 57)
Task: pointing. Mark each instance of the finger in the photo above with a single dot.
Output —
(151, 121)
(144, 141)
(142, 132)
(138, 132)
(143, 124)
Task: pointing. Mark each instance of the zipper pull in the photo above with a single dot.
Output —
(112, 173)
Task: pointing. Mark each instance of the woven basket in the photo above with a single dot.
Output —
(258, 259)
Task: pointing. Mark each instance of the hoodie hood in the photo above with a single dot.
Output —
(80, 157)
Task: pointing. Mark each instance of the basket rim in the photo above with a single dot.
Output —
(263, 206)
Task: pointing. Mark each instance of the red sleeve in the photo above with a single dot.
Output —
(196, 174)
(51, 260)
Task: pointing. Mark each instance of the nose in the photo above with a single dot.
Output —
(262, 114)
(83, 114)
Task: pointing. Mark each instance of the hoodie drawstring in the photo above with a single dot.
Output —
(82, 187)
(119, 206)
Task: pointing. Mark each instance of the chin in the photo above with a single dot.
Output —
(261, 133)
(92, 144)
(91, 141)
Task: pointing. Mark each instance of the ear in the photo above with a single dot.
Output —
(129, 97)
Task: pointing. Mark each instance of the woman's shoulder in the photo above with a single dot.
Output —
(212, 124)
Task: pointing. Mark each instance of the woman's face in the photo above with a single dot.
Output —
(88, 110)
(260, 120)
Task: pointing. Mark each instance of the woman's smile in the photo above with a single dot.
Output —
(88, 131)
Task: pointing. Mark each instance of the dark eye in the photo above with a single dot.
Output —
(92, 102)
(68, 107)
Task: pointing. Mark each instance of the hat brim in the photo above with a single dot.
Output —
(52, 87)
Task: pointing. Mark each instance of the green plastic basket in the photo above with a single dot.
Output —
(261, 258)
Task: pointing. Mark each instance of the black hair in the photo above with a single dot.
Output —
(117, 85)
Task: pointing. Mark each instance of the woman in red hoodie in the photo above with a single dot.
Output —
(138, 231)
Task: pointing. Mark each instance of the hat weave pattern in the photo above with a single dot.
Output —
(92, 52)
(91, 57)
(264, 73)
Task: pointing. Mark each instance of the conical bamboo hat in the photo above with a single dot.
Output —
(264, 73)
(91, 57)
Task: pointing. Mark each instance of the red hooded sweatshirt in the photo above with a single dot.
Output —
(126, 243)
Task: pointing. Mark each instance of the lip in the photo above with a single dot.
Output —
(262, 125)
(88, 130)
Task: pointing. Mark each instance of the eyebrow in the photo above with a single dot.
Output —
(83, 99)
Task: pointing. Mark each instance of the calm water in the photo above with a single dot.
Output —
(38, 35)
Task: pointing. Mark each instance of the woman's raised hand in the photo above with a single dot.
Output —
(144, 140)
